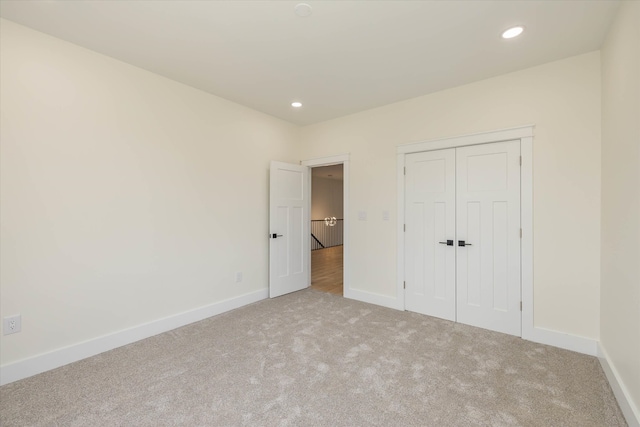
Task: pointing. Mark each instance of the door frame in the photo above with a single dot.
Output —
(525, 135)
(329, 161)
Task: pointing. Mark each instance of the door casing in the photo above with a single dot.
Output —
(525, 135)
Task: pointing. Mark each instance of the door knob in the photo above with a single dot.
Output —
(462, 243)
(448, 243)
(275, 236)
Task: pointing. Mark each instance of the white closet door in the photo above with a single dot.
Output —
(488, 222)
(430, 219)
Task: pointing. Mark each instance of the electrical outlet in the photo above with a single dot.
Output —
(239, 277)
(12, 324)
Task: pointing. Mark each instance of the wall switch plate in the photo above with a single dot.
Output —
(385, 215)
(12, 324)
(239, 277)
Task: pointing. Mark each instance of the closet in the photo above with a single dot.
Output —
(462, 231)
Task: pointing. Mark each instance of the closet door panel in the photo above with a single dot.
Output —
(488, 236)
(430, 220)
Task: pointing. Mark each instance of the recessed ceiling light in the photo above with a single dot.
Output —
(512, 32)
(296, 104)
(303, 9)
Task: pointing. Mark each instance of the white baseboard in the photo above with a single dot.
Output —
(561, 340)
(371, 298)
(63, 356)
(540, 335)
(627, 406)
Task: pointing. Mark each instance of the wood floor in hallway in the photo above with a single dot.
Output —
(326, 270)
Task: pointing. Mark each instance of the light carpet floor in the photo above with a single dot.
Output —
(315, 359)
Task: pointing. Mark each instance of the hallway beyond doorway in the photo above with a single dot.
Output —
(326, 270)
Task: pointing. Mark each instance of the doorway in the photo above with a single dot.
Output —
(327, 228)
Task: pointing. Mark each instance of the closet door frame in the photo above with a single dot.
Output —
(525, 135)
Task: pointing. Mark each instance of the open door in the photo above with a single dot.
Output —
(289, 228)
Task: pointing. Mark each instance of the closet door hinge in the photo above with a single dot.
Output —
(520, 160)
(404, 285)
(405, 170)
(520, 305)
(404, 227)
(521, 233)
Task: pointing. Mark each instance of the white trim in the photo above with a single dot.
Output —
(63, 356)
(377, 299)
(525, 135)
(400, 230)
(630, 411)
(562, 340)
(526, 243)
(328, 161)
(464, 140)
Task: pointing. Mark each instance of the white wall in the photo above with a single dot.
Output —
(326, 198)
(620, 293)
(126, 197)
(563, 100)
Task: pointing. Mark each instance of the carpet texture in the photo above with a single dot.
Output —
(315, 359)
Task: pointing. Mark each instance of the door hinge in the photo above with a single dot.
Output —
(404, 227)
(521, 233)
(404, 285)
(520, 160)
(520, 305)
(405, 170)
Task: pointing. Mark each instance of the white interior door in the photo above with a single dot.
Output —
(468, 197)
(289, 228)
(488, 236)
(430, 265)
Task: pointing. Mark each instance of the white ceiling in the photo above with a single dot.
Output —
(347, 56)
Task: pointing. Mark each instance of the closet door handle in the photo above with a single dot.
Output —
(462, 243)
(448, 243)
